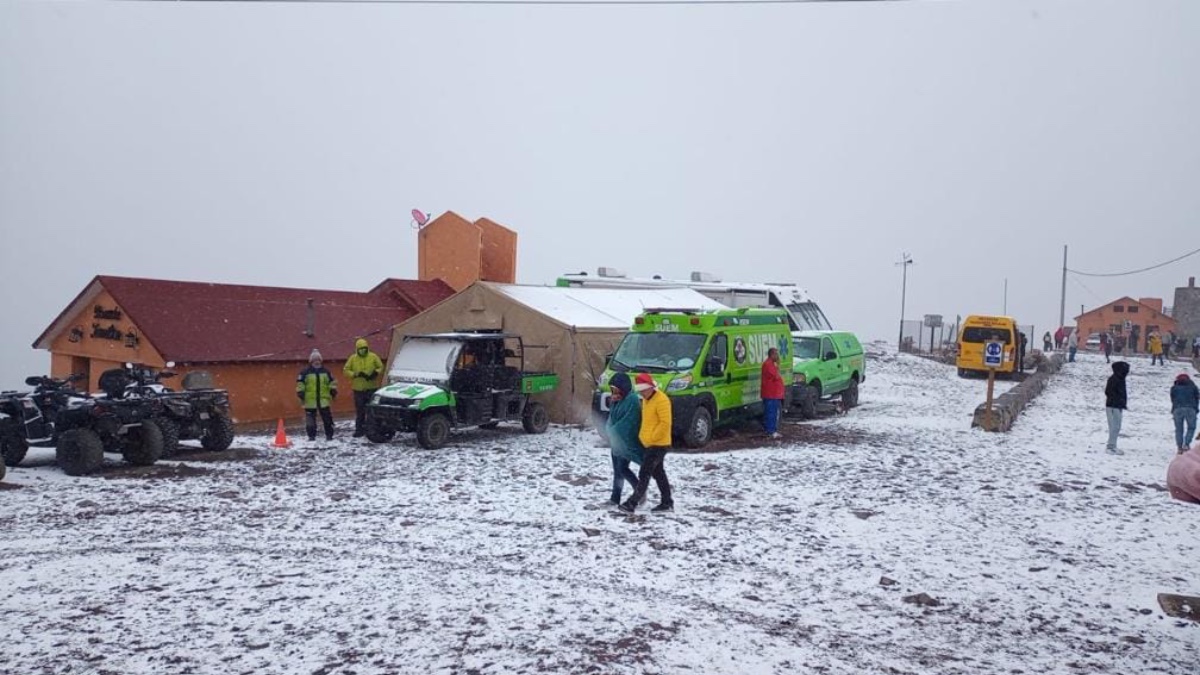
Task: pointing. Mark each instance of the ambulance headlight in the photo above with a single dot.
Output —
(680, 383)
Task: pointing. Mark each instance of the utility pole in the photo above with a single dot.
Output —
(1062, 304)
(1004, 312)
(905, 261)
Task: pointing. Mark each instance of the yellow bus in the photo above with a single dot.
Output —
(975, 332)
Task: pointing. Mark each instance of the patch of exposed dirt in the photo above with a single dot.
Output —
(152, 472)
(192, 454)
(750, 435)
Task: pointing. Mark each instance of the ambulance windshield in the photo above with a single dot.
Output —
(658, 352)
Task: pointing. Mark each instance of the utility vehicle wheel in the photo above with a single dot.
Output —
(962, 372)
(535, 419)
(170, 433)
(432, 430)
(807, 405)
(12, 446)
(143, 444)
(489, 425)
(850, 396)
(79, 452)
(377, 434)
(218, 433)
(699, 429)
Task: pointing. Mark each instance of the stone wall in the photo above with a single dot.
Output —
(1186, 312)
(1008, 406)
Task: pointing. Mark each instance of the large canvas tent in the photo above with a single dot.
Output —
(565, 330)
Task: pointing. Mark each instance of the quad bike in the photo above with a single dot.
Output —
(80, 428)
(198, 412)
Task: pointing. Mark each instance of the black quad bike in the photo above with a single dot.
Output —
(199, 412)
(80, 428)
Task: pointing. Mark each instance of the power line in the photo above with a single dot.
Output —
(1144, 269)
(591, 3)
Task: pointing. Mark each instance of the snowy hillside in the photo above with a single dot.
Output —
(1036, 552)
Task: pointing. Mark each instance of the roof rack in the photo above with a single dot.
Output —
(678, 310)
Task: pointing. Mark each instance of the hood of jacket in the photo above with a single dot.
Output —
(1120, 368)
(361, 343)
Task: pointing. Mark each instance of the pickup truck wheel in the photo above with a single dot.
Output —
(79, 452)
(807, 405)
(377, 434)
(699, 429)
(218, 433)
(143, 445)
(170, 432)
(12, 447)
(850, 396)
(432, 430)
(535, 419)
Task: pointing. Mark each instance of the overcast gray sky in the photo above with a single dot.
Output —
(284, 144)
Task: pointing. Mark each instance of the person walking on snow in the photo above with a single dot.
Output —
(364, 367)
(655, 435)
(1196, 347)
(771, 390)
(1046, 342)
(1115, 402)
(624, 423)
(316, 389)
(1072, 346)
(1106, 341)
(1185, 402)
(1155, 347)
(1059, 336)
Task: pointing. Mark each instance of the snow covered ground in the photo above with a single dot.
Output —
(1038, 552)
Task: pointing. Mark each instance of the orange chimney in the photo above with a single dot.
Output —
(459, 252)
(1154, 303)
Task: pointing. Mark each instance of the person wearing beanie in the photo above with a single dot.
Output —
(316, 389)
(364, 368)
(655, 435)
(1115, 401)
(624, 421)
(1185, 401)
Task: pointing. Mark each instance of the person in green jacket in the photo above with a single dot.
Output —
(364, 367)
(624, 422)
(316, 389)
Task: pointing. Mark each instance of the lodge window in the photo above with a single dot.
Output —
(1133, 309)
(1117, 309)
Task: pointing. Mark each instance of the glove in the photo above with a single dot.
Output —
(300, 395)
(368, 376)
(362, 375)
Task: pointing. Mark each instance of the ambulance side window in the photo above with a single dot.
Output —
(718, 354)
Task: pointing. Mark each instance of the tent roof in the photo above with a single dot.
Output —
(600, 307)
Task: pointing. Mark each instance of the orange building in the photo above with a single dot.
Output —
(1129, 321)
(461, 252)
(254, 340)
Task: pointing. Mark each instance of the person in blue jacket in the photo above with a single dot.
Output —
(1185, 401)
(624, 421)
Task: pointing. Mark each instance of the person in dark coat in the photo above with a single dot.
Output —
(1047, 342)
(1021, 354)
(624, 422)
(1106, 340)
(1185, 402)
(1115, 401)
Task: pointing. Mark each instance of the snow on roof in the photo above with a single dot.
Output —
(602, 307)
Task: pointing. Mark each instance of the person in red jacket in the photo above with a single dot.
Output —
(772, 393)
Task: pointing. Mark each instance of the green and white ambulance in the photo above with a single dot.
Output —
(825, 363)
(708, 362)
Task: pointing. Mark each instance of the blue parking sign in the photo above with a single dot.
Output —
(993, 354)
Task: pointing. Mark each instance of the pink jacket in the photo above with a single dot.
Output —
(1183, 476)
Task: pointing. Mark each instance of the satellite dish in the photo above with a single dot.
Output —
(421, 219)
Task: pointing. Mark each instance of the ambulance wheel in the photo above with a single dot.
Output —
(699, 429)
(433, 429)
(808, 401)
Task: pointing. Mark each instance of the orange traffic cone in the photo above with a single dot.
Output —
(281, 439)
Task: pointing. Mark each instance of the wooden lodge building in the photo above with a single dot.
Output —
(254, 340)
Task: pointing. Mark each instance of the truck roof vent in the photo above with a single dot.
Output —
(706, 277)
(610, 272)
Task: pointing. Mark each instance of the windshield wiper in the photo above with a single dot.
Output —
(653, 368)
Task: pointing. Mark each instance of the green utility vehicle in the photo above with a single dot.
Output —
(825, 363)
(448, 380)
(708, 362)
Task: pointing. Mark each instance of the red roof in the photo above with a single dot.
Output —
(191, 322)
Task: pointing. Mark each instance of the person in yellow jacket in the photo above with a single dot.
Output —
(1154, 346)
(655, 435)
(316, 389)
(365, 369)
